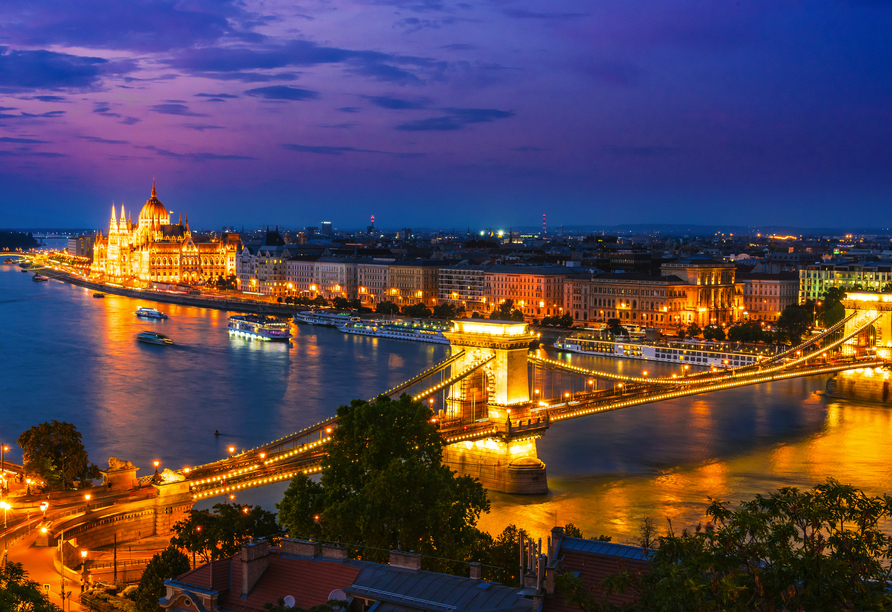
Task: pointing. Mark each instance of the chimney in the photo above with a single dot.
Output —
(408, 560)
(255, 560)
(334, 551)
(476, 571)
(300, 548)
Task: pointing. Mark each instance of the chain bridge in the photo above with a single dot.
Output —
(491, 412)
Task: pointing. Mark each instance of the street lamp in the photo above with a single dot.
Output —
(43, 507)
(83, 570)
(5, 506)
(231, 450)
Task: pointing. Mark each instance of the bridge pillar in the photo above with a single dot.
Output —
(879, 336)
(504, 381)
(506, 466)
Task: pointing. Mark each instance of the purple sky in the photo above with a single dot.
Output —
(446, 114)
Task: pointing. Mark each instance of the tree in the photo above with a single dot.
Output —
(446, 311)
(54, 452)
(221, 533)
(341, 303)
(820, 549)
(19, 593)
(794, 322)
(750, 331)
(572, 531)
(387, 308)
(505, 312)
(566, 321)
(169, 563)
(419, 311)
(383, 485)
(694, 330)
(615, 327)
(713, 332)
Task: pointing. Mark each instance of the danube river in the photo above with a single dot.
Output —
(71, 357)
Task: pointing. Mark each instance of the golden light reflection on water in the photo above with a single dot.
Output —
(853, 445)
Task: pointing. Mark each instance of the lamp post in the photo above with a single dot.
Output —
(5, 506)
(83, 570)
(231, 450)
(3, 449)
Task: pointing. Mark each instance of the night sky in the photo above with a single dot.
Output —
(437, 113)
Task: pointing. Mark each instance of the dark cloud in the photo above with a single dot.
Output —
(139, 25)
(321, 150)
(417, 6)
(130, 120)
(349, 109)
(524, 14)
(175, 109)
(196, 156)
(99, 140)
(200, 127)
(24, 70)
(396, 103)
(50, 98)
(456, 119)
(414, 24)
(11, 139)
(248, 77)
(459, 47)
(218, 62)
(338, 126)
(282, 92)
(217, 95)
(31, 154)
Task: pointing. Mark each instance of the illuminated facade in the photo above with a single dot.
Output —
(815, 280)
(536, 291)
(154, 249)
(766, 295)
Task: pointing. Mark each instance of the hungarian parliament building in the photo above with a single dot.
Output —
(155, 250)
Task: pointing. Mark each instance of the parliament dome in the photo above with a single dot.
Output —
(153, 208)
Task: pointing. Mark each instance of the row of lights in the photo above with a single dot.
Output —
(430, 369)
(452, 380)
(695, 391)
(254, 483)
(471, 435)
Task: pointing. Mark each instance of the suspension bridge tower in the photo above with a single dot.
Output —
(496, 351)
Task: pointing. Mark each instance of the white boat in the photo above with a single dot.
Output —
(705, 354)
(414, 331)
(327, 318)
(260, 327)
(150, 313)
(39, 278)
(150, 337)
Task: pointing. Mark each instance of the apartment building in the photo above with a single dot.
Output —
(537, 291)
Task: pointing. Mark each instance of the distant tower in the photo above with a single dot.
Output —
(371, 228)
(544, 231)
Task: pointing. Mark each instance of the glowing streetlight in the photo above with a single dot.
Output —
(87, 497)
(5, 506)
(245, 510)
(231, 450)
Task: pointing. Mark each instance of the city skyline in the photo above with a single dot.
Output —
(444, 114)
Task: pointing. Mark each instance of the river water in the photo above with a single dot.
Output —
(71, 357)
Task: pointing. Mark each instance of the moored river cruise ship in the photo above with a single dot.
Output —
(414, 331)
(260, 327)
(691, 352)
(326, 318)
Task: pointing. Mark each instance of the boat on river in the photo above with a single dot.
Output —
(150, 313)
(260, 327)
(98, 295)
(414, 331)
(688, 352)
(39, 278)
(326, 318)
(150, 337)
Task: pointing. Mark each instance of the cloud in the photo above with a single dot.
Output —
(50, 98)
(456, 119)
(324, 150)
(396, 103)
(248, 77)
(196, 156)
(146, 26)
(31, 154)
(10, 139)
(338, 126)
(459, 47)
(98, 140)
(349, 109)
(200, 127)
(524, 14)
(130, 120)
(219, 95)
(25, 70)
(282, 92)
(417, 6)
(175, 109)
(241, 62)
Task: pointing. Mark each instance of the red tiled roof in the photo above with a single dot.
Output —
(592, 569)
(309, 581)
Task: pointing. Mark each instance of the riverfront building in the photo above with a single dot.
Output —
(537, 291)
(154, 249)
(816, 279)
(766, 295)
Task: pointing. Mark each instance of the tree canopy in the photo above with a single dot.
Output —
(507, 312)
(169, 563)
(55, 454)
(19, 593)
(794, 322)
(219, 534)
(388, 308)
(819, 549)
(383, 485)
